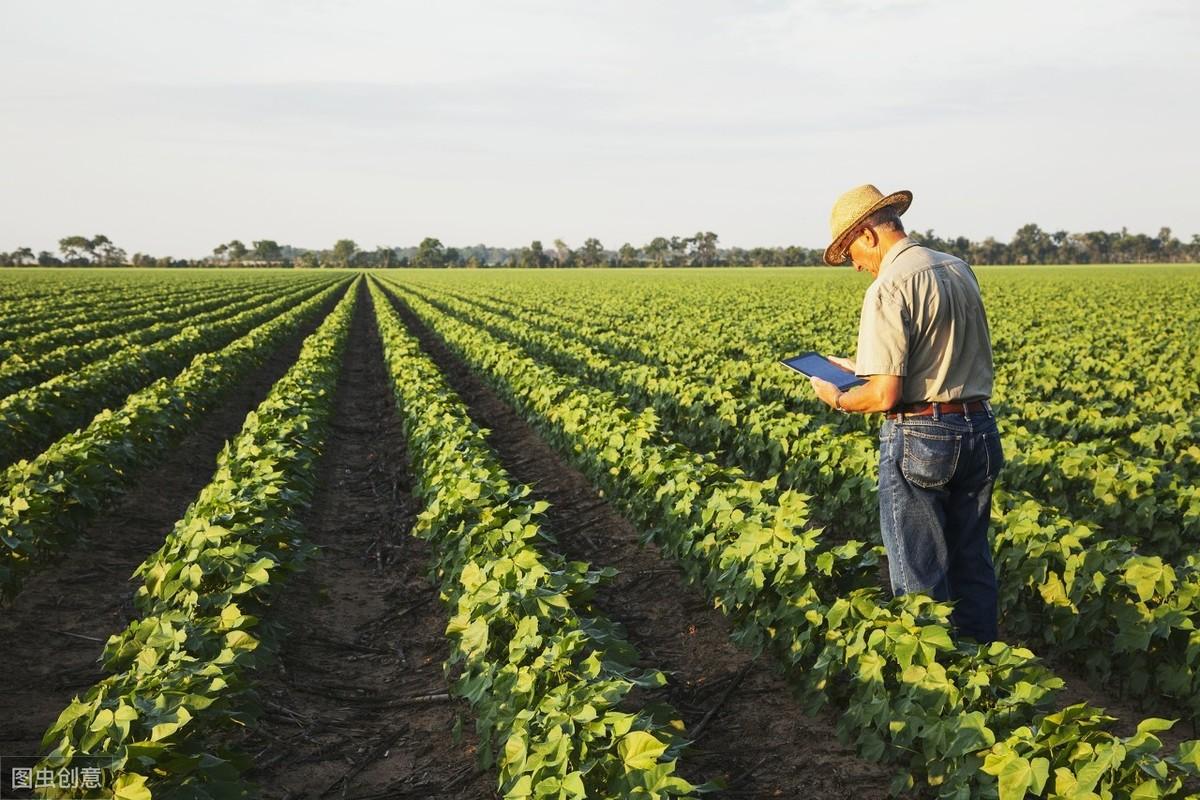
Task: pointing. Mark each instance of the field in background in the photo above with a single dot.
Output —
(616, 406)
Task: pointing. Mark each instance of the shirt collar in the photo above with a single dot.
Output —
(895, 250)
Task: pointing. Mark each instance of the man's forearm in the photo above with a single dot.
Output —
(865, 399)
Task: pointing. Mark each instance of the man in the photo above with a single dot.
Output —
(925, 350)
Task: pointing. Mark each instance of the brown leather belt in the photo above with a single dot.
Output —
(926, 409)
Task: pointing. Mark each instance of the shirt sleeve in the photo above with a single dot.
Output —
(882, 336)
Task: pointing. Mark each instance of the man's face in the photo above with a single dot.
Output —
(854, 250)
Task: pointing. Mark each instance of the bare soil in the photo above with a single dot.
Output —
(54, 630)
(749, 729)
(357, 705)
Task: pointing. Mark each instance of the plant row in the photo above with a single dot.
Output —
(33, 418)
(1147, 496)
(47, 501)
(967, 720)
(544, 672)
(31, 368)
(74, 305)
(102, 318)
(182, 672)
(1098, 599)
(1062, 383)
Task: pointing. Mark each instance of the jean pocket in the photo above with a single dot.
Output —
(929, 460)
(995, 455)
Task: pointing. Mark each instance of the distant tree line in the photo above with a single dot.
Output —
(1029, 245)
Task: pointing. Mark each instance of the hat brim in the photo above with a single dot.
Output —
(835, 253)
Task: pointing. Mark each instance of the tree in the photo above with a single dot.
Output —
(430, 253)
(1095, 246)
(385, 257)
(657, 251)
(989, 251)
(75, 249)
(793, 256)
(592, 253)
(1030, 245)
(96, 244)
(452, 258)
(537, 256)
(628, 256)
(344, 251)
(105, 252)
(1168, 246)
(737, 257)
(267, 250)
(47, 259)
(705, 248)
(533, 257)
(219, 251)
(20, 256)
(679, 247)
(237, 251)
(562, 253)
(306, 260)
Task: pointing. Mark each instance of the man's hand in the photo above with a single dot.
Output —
(826, 391)
(844, 363)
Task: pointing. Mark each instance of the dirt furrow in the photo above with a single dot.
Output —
(52, 634)
(357, 705)
(749, 730)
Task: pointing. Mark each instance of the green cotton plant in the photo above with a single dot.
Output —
(47, 501)
(545, 674)
(76, 314)
(1053, 570)
(33, 367)
(1054, 372)
(35, 417)
(182, 672)
(909, 692)
(759, 431)
(1083, 478)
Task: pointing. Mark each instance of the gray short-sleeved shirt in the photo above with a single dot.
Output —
(923, 319)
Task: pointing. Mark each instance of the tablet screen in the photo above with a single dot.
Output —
(821, 367)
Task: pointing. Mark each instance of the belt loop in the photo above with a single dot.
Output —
(937, 410)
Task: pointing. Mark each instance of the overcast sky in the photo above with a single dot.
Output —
(172, 127)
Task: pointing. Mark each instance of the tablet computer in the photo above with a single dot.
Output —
(815, 364)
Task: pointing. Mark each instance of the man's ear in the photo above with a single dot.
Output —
(873, 234)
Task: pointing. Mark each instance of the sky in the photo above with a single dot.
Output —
(173, 127)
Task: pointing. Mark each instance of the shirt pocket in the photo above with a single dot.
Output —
(929, 460)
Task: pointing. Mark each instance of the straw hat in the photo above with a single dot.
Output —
(849, 212)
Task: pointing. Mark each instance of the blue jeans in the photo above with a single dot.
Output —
(935, 499)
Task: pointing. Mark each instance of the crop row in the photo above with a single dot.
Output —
(71, 306)
(968, 720)
(1060, 382)
(52, 330)
(1145, 495)
(33, 418)
(22, 371)
(47, 501)
(1097, 599)
(542, 669)
(182, 671)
